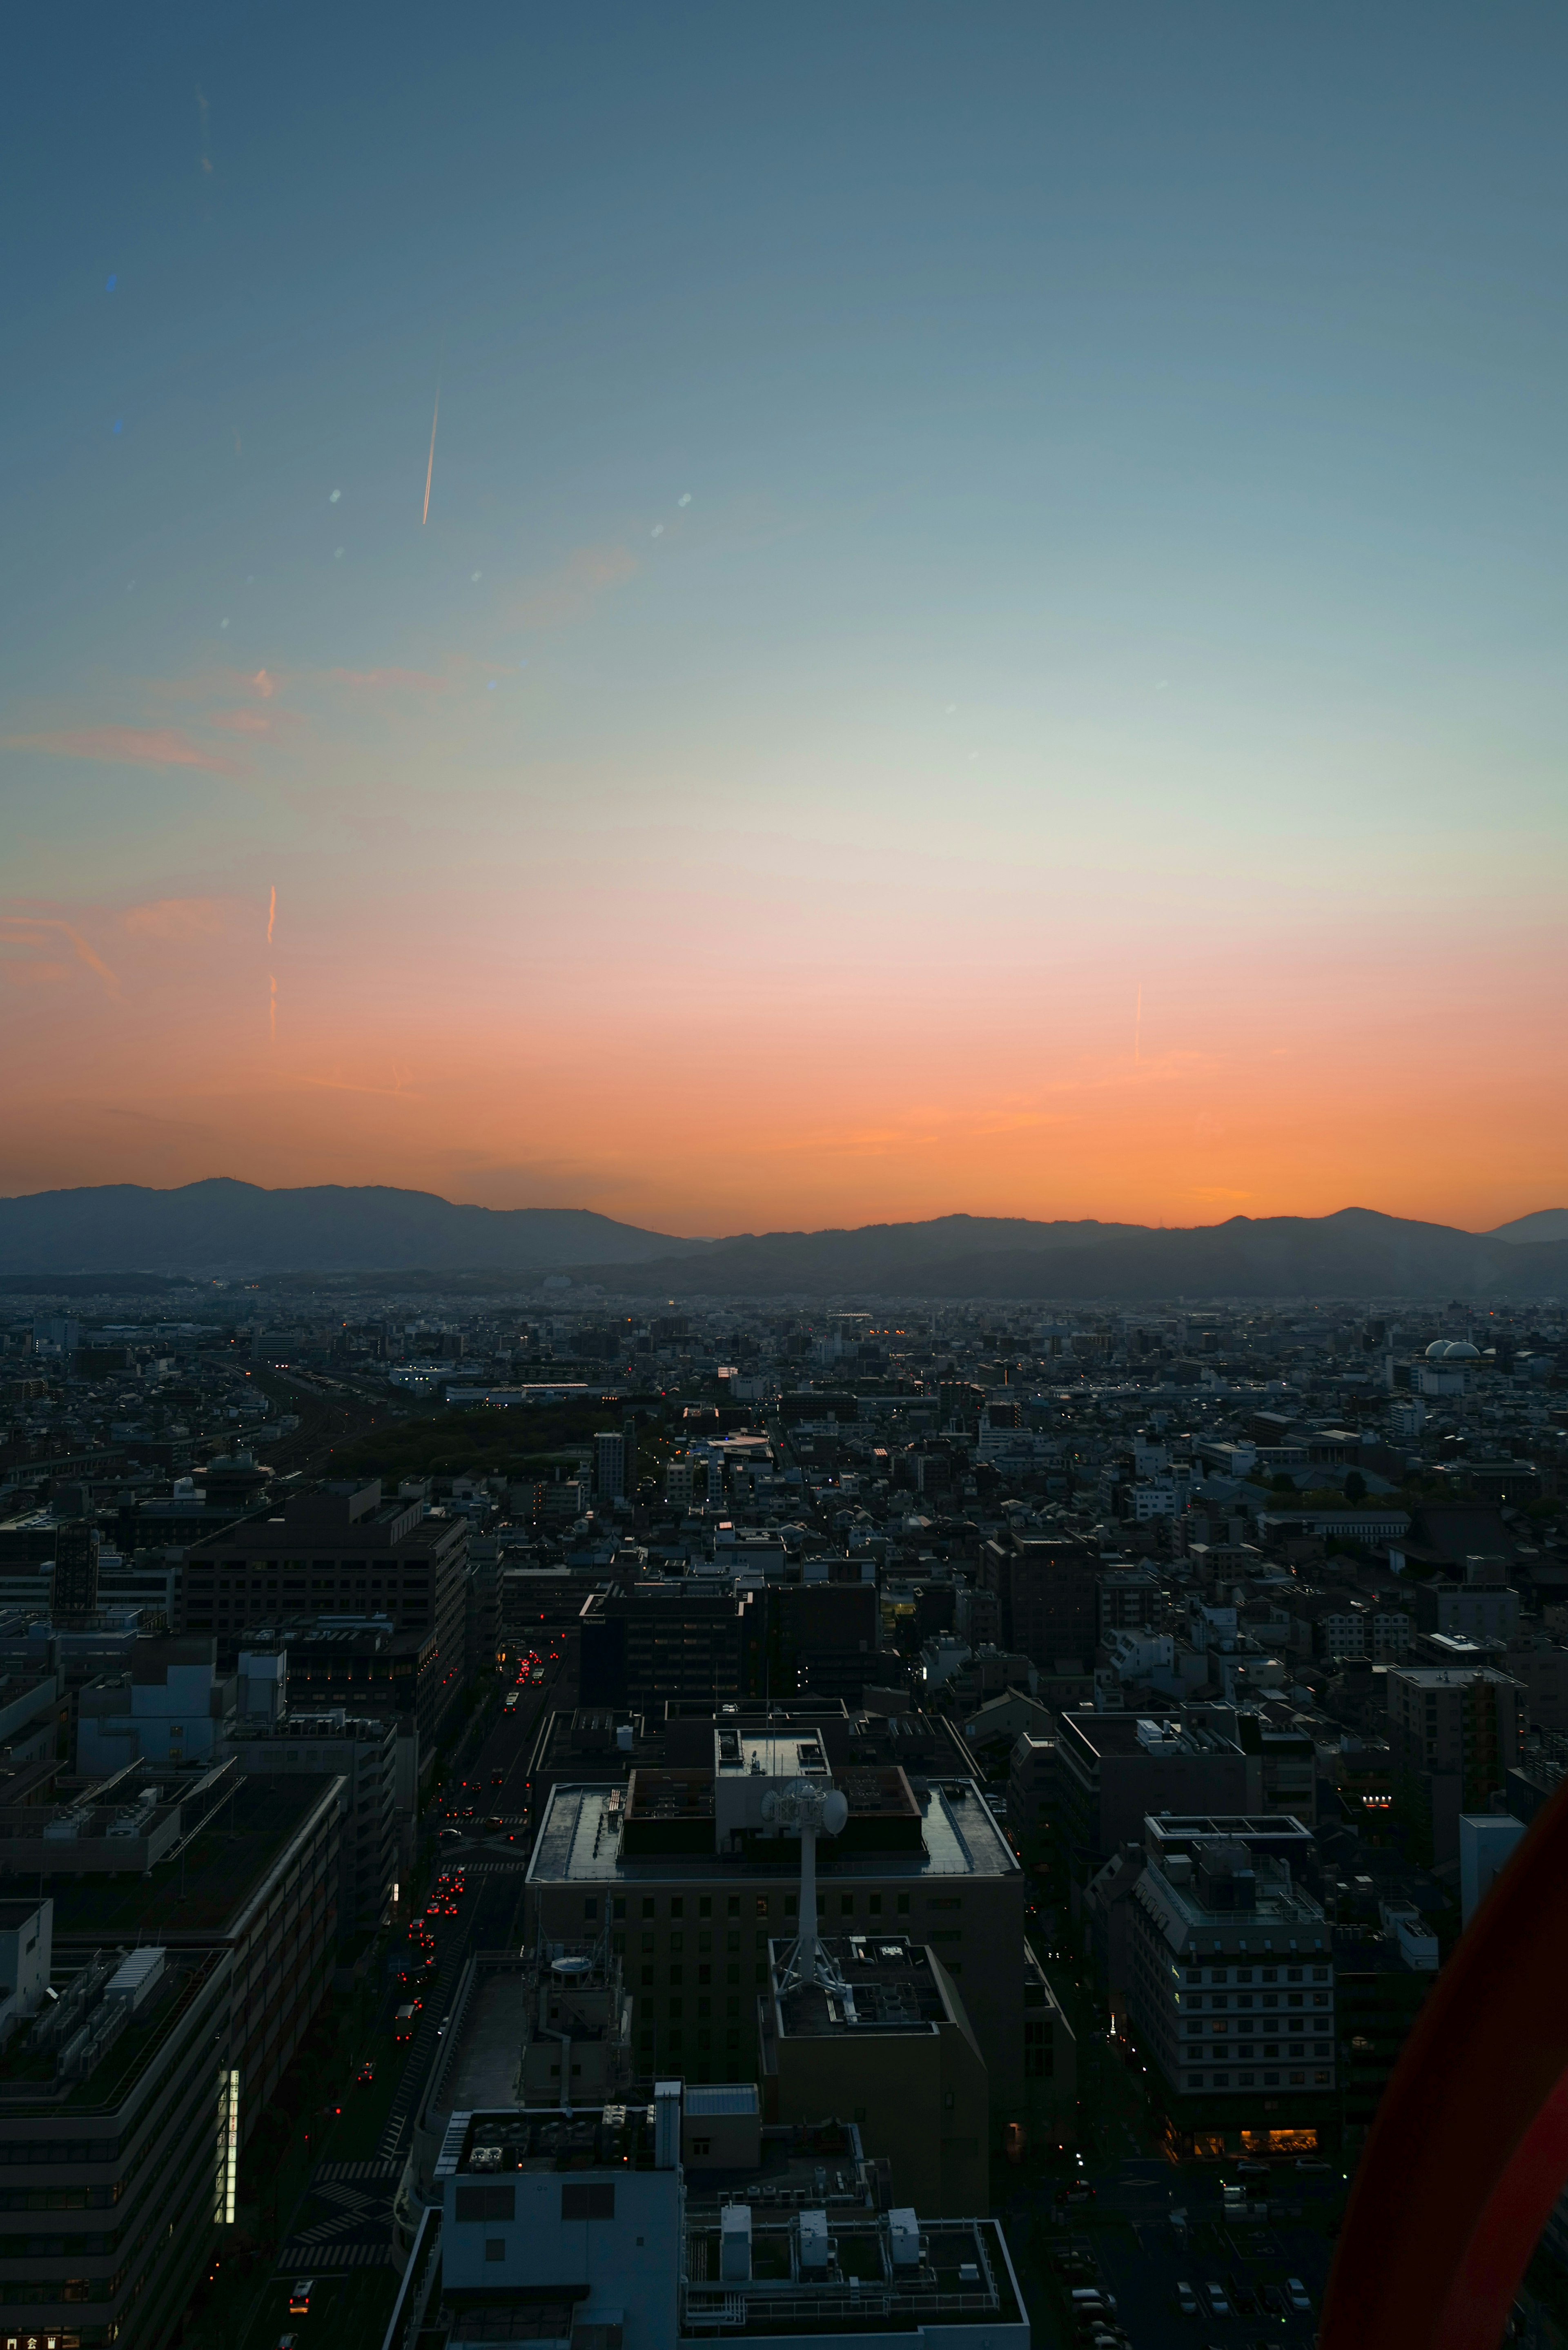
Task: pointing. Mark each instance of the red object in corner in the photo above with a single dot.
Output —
(1469, 2151)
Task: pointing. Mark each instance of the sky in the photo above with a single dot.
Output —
(759, 618)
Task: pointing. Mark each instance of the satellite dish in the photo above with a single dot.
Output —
(834, 1811)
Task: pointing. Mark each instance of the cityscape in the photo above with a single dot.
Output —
(783, 1177)
(806, 1770)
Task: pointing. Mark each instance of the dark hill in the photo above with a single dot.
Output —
(1355, 1254)
(224, 1227)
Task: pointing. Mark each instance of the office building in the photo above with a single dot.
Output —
(1381, 1978)
(681, 1864)
(668, 1641)
(119, 2116)
(74, 1586)
(592, 2228)
(1112, 1770)
(1454, 1735)
(360, 1752)
(342, 1552)
(1230, 1999)
(884, 2038)
(1049, 1598)
(168, 1705)
(201, 1861)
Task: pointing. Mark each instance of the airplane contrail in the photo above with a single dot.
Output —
(429, 469)
(271, 914)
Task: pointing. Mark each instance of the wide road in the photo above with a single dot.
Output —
(493, 1784)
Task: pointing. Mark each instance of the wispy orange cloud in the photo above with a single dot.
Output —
(261, 723)
(381, 680)
(568, 592)
(175, 918)
(127, 746)
(35, 931)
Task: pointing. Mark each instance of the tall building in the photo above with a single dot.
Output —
(360, 1752)
(1454, 1735)
(894, 2050)
(120, 2123)
(203, 1862)
(75, 1589)
(1230, 1998)
(681, 1866)
(670, 1642)
(1114, 1768)
(1049, 1597)
(342, 1554)
(609, 1465)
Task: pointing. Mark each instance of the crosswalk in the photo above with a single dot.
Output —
(329, 2173)
(300, 2257)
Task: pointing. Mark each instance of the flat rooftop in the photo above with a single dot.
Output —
(1278, 1915)
(890, 1987)
(31, 2082)
(581, 1842)
(962, 2276)
(485, 2144)
(205, 1883)
(1105, 1737)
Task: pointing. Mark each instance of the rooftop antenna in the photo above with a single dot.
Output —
(807, 1811)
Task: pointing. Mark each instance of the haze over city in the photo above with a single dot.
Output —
(987, 634)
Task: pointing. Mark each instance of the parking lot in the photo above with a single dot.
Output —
(1125, 2243)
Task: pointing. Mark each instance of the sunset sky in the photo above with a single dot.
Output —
(990, 633)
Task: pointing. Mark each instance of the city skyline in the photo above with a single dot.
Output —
(976, 626)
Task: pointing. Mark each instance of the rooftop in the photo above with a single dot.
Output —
(891, 1984)
(581, 1840)
(206, 1883)
(1259, 1907)
(42, 2072)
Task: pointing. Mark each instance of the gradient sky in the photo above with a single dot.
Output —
(990, 633)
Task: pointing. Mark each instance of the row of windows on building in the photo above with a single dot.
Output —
(674, 1907)
(1321, 2080)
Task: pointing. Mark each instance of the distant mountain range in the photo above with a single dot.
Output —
(225, 1229)
(1355, 1254)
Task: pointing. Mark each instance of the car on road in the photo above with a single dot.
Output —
(1297, 2295)
(1186, 2299)
(299, 2294)
(366, 2071)
(1080, 2191)
(288, 2342)
(403, 2021)
(1311, 2162)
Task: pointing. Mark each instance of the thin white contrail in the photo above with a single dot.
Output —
(429, 468)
